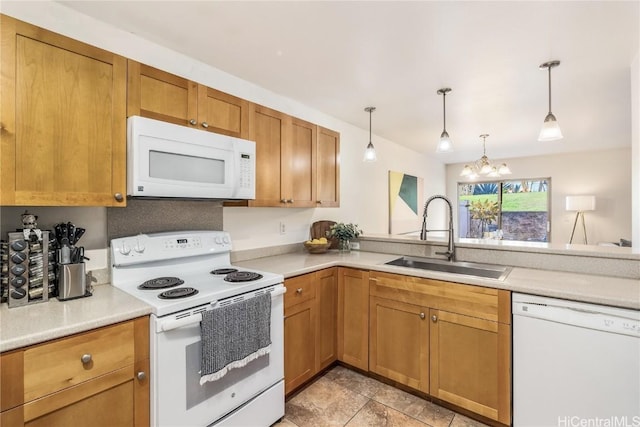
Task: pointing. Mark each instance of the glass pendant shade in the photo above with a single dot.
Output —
(370, 153)
(550, 129)
(466, 171)
(444, 145)
(503, 169)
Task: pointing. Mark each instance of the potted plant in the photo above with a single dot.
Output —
(485, 211)
(344, 233)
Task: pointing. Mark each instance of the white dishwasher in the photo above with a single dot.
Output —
(574, 364)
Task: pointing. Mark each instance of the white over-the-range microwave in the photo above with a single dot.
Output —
(173, 161)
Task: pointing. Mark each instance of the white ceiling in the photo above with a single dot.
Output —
(340, 57)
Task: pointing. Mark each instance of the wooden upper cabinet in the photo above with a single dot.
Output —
(63, 112)
(160, 95)
(299, 164)
(328, 168)
(268, 130)
(222, 113)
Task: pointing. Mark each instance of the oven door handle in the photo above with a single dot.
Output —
(170, 324)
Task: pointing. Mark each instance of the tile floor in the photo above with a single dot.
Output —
(342, 397)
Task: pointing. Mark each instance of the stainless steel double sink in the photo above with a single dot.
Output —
(487, 271)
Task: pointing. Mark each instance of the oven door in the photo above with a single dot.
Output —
(178, 399)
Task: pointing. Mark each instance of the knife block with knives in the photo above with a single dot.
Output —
(72, 279)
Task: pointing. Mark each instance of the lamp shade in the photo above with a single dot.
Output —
(550, 129)
(581, 203)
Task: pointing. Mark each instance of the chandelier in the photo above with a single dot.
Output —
(483, 167)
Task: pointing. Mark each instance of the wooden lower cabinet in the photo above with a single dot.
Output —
(470, 363)
(326, 325)
(310, 341)
(399, 339)
(449, 340)
(353, 317)
(299, 344)
(49, 385)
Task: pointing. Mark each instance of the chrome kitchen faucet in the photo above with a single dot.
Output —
(451, 249)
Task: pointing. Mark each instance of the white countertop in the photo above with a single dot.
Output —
(612, 291)
(23, 326)
(35, 323)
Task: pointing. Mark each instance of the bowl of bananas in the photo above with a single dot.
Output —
(317, 246)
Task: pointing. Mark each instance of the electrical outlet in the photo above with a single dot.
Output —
(283, 229)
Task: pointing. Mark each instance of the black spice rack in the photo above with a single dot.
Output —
(30, 272)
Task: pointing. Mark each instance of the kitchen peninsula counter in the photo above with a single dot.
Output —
(36, 323)
(613, 291)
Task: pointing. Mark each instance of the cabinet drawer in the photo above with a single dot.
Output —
(57, 365)
(299, 289)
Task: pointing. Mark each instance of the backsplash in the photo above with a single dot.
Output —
(150, 216)
(104, 224)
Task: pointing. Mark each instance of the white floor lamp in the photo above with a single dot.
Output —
(580, 204)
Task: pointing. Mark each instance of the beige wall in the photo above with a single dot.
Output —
(605, 174)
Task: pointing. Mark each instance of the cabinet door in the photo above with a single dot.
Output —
(399, 342)
(328, 168)
(470, 363)
(159, 95)
(268, 129)
(353, 317)
(222, 113)
(299, 164)
(327, 297)
(299, 344)
(63, 114)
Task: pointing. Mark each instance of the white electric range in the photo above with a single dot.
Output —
(180, 275)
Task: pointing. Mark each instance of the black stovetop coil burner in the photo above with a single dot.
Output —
(161, 283)
(242, 276)
(178, 293)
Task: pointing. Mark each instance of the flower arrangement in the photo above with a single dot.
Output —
(344, 231)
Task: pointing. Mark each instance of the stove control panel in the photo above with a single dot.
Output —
(164, 246)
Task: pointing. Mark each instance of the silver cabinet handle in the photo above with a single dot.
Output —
(86, 358)
(290, 201)
(118, 197)
(205, 125)
(141, 376)
(434, 318)
(299, 291)
(422, 316)
(283, 200)
(192, 122)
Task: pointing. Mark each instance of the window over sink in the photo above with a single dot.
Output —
(505, 209)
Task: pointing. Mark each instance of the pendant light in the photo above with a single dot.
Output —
(444, 145)
(370, 152)
(550, 128)
(483, 166)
